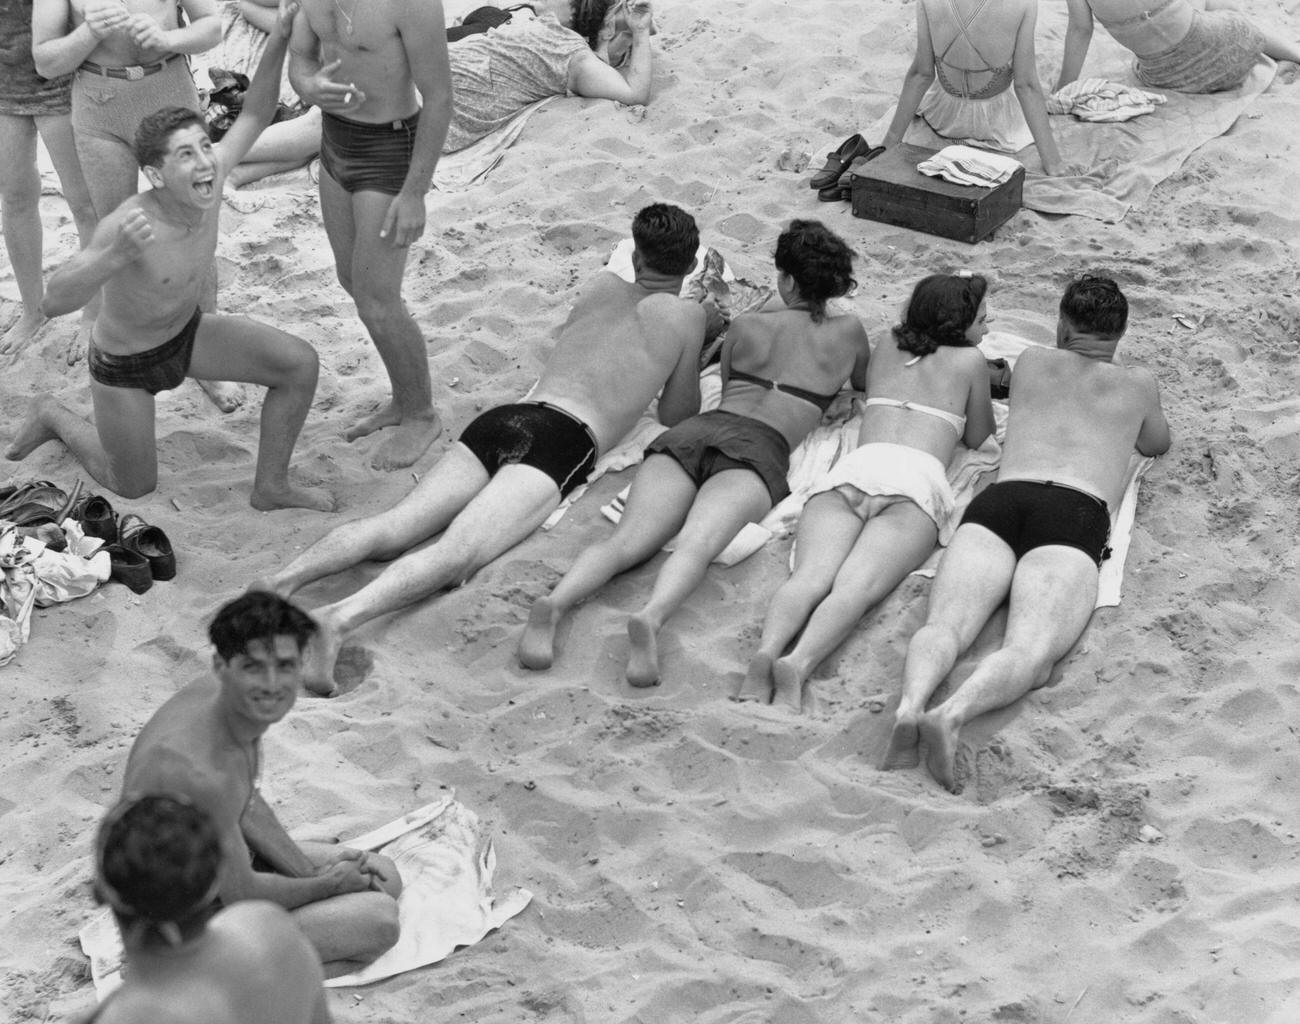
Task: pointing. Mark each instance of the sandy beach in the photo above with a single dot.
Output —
(1126, 847)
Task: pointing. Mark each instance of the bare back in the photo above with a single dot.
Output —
(1146, 27)
(788, 347)
(951, 379)
(981, 57)
(1076, 421)
(364, 36)
(252, 965)
(618, 348)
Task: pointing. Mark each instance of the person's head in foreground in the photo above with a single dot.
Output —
(816, 262)
(157, 864)
(1093, 305)
(174, 150)
(945, 309)
(604, 24)
(666, 239)
(259, 639)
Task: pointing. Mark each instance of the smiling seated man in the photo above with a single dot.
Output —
(205, 745)
(150, 257)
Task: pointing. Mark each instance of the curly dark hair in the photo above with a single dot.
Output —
(1095, 305)
(667, 238)
(258, 615)
(588, 17)
(940, 311)
(820, 262)
(155, 131)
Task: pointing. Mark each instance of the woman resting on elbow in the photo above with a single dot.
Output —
(876, 515)
(711, 474)
(974, 78)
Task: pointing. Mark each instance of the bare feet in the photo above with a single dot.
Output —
(407, 443)
(757, 685)
(787, 685)
(267, 499)
(388, 416)
(643, 662)
(940, 736)
(537, 645)
(20, 335)
(322, 652)
(33, 433)
(270, 585)
(240, 203)
(224, 395)
(902, 751)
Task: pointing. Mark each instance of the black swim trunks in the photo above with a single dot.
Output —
(711, 442)
(158, 369)
(535, 434)
(367, 157)
(1027, 514)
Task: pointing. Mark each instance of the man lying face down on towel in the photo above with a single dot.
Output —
(157, 864)
(1038, 534)
(621, 345)
(204, 745)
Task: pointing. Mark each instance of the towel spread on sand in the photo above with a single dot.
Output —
(1095, 99)
(446, 867)
(963, 165)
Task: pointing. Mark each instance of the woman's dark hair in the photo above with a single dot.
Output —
(588, 18)
(940, 311)
(819, 261)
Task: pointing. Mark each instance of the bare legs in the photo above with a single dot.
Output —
(352, 930)
(663, 501)
(370, 269)
(281, 147)
(843, 568)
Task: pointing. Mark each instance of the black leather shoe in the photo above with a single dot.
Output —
(836, 162)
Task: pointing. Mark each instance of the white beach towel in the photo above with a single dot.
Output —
(1096, 99)
(446, 902)
(963, 165)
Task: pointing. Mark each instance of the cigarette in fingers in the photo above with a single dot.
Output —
(347, 97)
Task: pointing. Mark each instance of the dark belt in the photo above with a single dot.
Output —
(132, 73)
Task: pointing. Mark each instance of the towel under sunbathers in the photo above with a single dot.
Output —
(821, 401)
(711, 442)
(1002, 76)
(954, 420)
(154, 370)
(535, 434)
(1028, 514)
(891, 471)
(364, 157)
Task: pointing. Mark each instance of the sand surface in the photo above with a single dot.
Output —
(694, 860)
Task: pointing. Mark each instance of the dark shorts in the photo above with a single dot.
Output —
(367, 157)
(711, 442)
(158, 369)
(533, 434)
(1027, 514)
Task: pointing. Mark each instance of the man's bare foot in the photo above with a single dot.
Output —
(643, 663)
(267, 499)
(902, 751)
(407, 443)
(270, 585)
(388, 416)
(20, 335)
(537, 645)
(757, 685)
(787, 685)
(33, 433)
(940, 737)
(321, 654)
(225, 395)
(240, 203)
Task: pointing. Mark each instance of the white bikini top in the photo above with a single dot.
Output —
(958, 423)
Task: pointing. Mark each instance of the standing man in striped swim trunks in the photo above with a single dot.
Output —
(378, 71)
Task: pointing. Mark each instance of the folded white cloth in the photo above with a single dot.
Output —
(1096, 99)
(964, 165)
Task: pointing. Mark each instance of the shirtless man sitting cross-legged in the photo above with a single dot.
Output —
(151, 257)
(1038, 535)
(513, 464)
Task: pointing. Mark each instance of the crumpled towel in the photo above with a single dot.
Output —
(1096, 99)
(33, 576)
(446, 901)
(964, 165)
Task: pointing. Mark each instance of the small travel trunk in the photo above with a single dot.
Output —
(891, 190)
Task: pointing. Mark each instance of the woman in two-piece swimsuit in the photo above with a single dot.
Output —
(710, 475)
(978, 50)
(876, 515)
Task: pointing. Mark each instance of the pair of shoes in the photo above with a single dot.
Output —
(838, 160)
(842, 187)
(150, 543)
(138, 552)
